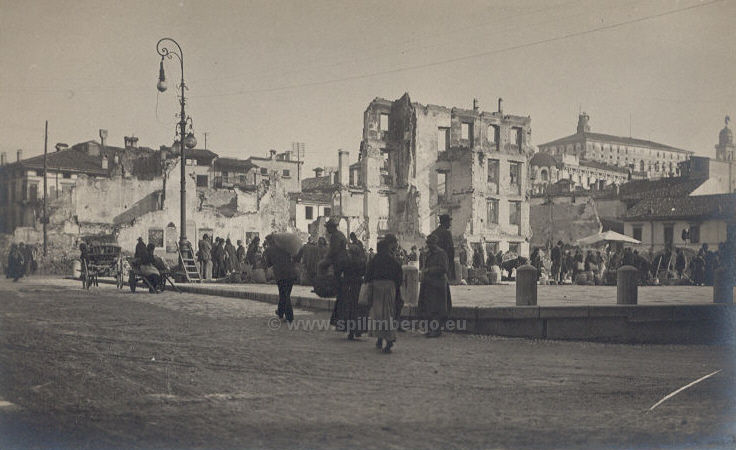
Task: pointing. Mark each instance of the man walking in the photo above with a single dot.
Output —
(556, 256)
(444, 241)
(433, 290)
(284, 270)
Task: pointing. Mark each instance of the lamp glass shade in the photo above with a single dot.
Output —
(161, 86)
(190, 141)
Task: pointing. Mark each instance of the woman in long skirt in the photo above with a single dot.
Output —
(347, 314)
(433, 290)
(384, 273)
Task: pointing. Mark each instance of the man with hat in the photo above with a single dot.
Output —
(337, 251)
(141, 252)
(556, 256)
(444, 241)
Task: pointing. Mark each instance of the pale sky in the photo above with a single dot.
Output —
(262, 74)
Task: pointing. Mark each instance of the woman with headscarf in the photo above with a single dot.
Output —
(385, 275)
(433, 289)
(346, 315)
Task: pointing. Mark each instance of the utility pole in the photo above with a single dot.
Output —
(45, 189)
(205, 139)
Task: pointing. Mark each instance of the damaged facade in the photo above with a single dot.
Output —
(118, 194)
(420, 161)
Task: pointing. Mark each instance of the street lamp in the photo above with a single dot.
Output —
(187, 139)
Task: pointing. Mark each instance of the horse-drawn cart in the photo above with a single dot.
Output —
(102, 260)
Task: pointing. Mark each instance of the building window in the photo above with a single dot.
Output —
(308, 213)
(33, 192)
(156, 237)
(515, 213)
(225, 177)
(443, 139)
(466, 132)
(383, 123)
(202, 181)
(515, 247)
(636, 230)
(694, 234)
(516, 136)
(328, 212)
(494, 135)
(264, 171)
(515, 176)
(242, 179)
(441, 187)
(543, 175)
(492, 217)
(493, 165)
(285, 173)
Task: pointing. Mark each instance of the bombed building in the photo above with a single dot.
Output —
(420, 161)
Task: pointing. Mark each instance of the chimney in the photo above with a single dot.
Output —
(343, 171)
(19, 154)
(3, 158)
(318, 172)
(61, 146)
(103, 137)
(273, 153)
(500, 105)
(476, 106)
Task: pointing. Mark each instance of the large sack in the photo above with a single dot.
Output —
(288, 242)
(325, 285)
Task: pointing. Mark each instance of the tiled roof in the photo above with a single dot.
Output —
(240, 165)
(203, 157)
(314, 197)
(68, 160)
(580, 137)
(602, 166)
(664, 187)
(322, 184)
(720, 206)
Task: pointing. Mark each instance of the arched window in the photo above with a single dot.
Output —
(544, 175)
(641, 166)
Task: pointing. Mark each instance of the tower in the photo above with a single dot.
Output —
(725, 150)
(583, 126)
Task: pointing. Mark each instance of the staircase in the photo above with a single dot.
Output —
(187, 261)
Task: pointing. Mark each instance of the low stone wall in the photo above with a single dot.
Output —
(642, 324)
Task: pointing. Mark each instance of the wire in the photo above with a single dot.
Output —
(466, 57)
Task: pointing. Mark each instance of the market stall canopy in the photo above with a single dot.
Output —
(607, 236)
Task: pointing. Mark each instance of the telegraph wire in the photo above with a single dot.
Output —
(466, 57)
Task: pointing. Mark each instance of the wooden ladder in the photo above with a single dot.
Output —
(186, 259)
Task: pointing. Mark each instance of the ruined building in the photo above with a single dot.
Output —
(420, 161)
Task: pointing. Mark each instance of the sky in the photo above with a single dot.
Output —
(263, 74)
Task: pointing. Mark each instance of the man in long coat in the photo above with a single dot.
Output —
(205, 257)
(231, 262)
(444, 241)
(433, 292)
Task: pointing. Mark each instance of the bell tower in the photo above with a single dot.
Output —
(725, 150)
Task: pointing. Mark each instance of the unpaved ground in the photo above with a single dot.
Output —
(108, 368)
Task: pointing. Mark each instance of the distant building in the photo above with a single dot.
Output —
(643, 158)
(726, 150)
(548, 169)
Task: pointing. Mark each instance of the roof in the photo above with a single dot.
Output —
(579, 137)
(240, 165)
(718, 206)
(543, 159)
(204, 157)
(603, 166)
(321, 184)
(70, 160)
(663, 187)
(313, 197)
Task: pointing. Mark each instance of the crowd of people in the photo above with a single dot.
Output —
(567, 264)
(21, 261)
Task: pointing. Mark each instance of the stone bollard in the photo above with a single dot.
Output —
(626, 292)
(722, 287)
(410, 285)
(526, 285)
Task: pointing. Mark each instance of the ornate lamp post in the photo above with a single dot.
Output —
(187, 139)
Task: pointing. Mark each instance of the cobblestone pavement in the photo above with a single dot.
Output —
(109, 368)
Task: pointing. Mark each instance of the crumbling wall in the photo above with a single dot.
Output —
(105, 199)
(565, 221)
